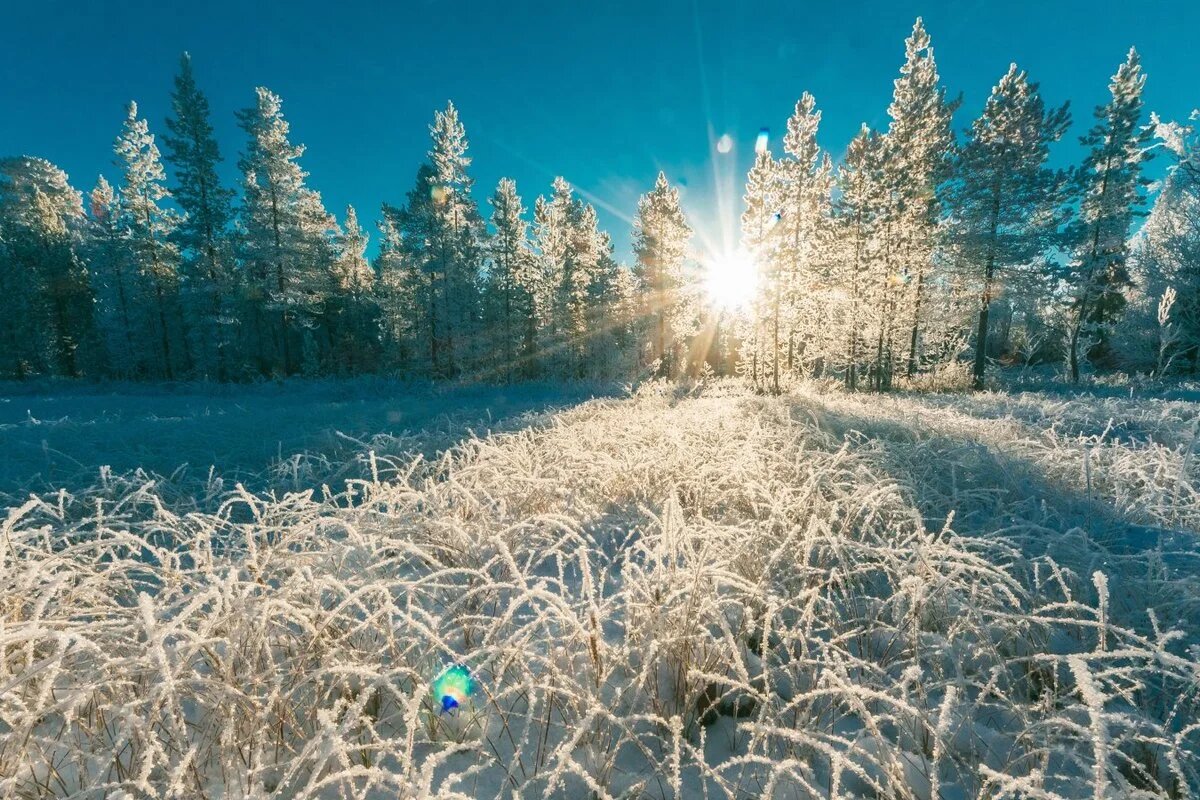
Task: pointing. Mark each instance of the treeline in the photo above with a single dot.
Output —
(918, 253)
(922, 251)
(163, 278)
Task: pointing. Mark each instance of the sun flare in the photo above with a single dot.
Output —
(730, 279)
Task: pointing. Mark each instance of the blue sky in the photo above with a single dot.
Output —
(604, 93)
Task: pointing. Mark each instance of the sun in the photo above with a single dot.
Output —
(730, 279)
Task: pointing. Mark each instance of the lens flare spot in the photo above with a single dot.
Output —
(763, 140)
(453, 687)
(724, 144)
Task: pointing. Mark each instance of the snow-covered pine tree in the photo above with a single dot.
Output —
(1166, 256)
(661, 242)
(583, 288)
(551, 238)
(119, 303)
(859, 271)
(203, 235)
(413, 275)
(456, 234)
(575, 262)
(1006, 200)
(285, 240)
(351, 270)
(792, 285)
(148, 226)
(921, 144)
(806, 183)
(399, 295)
(760, 240)
(626, 320)
(569, 286)
(45, 295)
(351, 316)
(603, 298)
(1112, 187)
(512, 284)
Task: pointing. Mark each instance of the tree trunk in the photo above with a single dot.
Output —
(916, 328)
(985, 300)
(162, 322)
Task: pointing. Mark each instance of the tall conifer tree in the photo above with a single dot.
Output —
(1112, 187)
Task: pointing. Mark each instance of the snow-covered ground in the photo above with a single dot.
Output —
(277, 435)
(686, 592)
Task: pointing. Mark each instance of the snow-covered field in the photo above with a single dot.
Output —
(687, 592)
(281, 436)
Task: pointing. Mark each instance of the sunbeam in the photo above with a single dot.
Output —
(730, 279)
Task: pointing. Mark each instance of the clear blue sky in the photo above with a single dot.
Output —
(604, 93)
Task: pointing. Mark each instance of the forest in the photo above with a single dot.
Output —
(919, 257)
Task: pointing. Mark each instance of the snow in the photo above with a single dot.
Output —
(900, 595)
(59, 434)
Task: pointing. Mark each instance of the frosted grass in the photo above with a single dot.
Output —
(685, 593)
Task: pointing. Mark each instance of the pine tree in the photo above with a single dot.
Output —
(661, 242)
(626, 316)
(203, 234)
(1006, 198)
(1112, 186)
(551, 241)
(1166, 255)
(785, 228)
(575, 263)
(352, 272)
(581, 291)
(805, 185)
(399, 294)
(149, 226)
(351, 317)
(760, 239)
(413, 272)
(512, 282)
(859, 211)
(285, 239)
(44, 285)
(920, 144)
(456, 246)
(118, 298)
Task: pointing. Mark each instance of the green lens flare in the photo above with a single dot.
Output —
(452, 688)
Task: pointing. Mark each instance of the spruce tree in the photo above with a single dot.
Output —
(920, 144)
(1112, 187)
(399, 295)
(203, 234)
(456, 245)
(859, 211)
(512, 283)
(1006, 199)
(119, 302)
(286, 239)
(45, 292)
(148, 226)
(661, 242)
(350, 317)
(760, 239)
